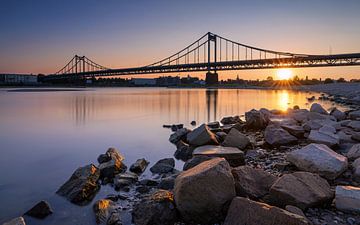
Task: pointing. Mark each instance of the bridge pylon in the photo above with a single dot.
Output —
(212, 77)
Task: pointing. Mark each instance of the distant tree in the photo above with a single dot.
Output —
(328, 81)
(296, 78)
(341, 80)
(269, 78)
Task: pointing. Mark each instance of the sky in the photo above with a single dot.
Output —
(41, 36)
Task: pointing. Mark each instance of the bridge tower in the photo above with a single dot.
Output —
(212, 77)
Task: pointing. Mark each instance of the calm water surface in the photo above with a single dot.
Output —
(45, 136)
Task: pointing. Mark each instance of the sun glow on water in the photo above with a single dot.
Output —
(284, 74)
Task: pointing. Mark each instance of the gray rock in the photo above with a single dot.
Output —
(179, 135)
(301, 189)
(243, 211)
(339, 115)
(220, 136)
(114, 166)
(327, 129)
(315, 107)
(202, 192)
(347, 198)
(16, 221)
(167, 183)
(82, 185)
(277, 136)
(40, 210)
(163, 166)
(139, 166)
(355, 125)
(201, 136)
(252, 183)
(255, 120)
(300, 115)
(103, 158)
(194, 161)
(236, 139)
(356, 137)
(354, 115)
(213, 125)
(107, 212)
(157, 209)
(354, 152)
(230, 120)
(295, 210)
(234, 156)
(295, 130)
(184, 152)
(125, 179)
(328, 139)
(319, 158)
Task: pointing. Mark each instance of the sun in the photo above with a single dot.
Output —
(284, 74)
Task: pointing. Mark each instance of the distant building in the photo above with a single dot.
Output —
(143, 81)
(168, 81)
(189, 80)
(18, 79)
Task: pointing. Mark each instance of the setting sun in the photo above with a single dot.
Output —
(284, 74)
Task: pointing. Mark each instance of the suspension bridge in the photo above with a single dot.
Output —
(210, 53)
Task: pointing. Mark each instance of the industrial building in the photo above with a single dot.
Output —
(18, 79)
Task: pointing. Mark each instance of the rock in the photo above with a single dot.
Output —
(40, 210)
(176, 127)
(354, 152)
(202, 192)
(82, 185)
(184, 152)
(201, 136)
(296, 107)
(347, 198)
(236, 139)
(356, 137)
(243, 211)
(114, 166)
(301, 189)
(318, 158)
(179, 135)
(163, 166)
(194, 161)
(317, 124)
(252, 183)
(139, 166)
(234, 156)
(16, 221)
(355, 125)
(319, 116)
(328, 139)
(300, 115)
(193, 123)
(339, 115)
(315, 107)
(213, 125)
(107, 212)
(125, 179)
(354, 115)
(295, 210)
(295, 130)
(149, 182)
(277, 136)
(327, 129)
(230, 120)
(157, 209)
(167, 183)
(255, 120)
(220, 136)
(356, 169)
(103, 158)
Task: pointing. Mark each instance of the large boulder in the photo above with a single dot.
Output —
(40, 210)
(243, 211)
(325, 138)
(201, 136)
(354, 152)
(16, 221)
(179, 135)
(82, 185)
(234, 156)
(163, 166)
(315, 107)
(252, 183)
(347, 198)
(255, 120)
(276, 136)
(236, 139)
(318, 158)
(354, 115)
(157, 209)
(114, 166)
(301, 189)
(202, 192)
(107, 212)
(339, 115)
(230, 120)
(139, 166)
(194, 161)
(295, 130)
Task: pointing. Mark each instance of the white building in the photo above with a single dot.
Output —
(18, 79)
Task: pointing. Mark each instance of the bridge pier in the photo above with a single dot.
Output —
(212, 78)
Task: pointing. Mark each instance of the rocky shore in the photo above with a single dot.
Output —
(295, 167)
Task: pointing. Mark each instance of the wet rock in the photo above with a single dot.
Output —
(301, 189)
(213, 125)
(167, 183)
(40, 210)
(315, 107)
(230, 120)
(16, 221)
(184, 152)
(277, 136)
(234, 156)
(202, 192)
(236, 139)
(176, 127)
(355, 125)
(295, 210)
(163, 166)
(354, 115)
(142, 189)
(252, 183)
(255, 120)
(201, 136)
(157, 209)
(114, 166)
(354, 152)
(179, 135)
(295, 130)
(103, 158)
(339, 115)
(149, 182)
(82, 185)
(193, 123)
(220, 136)
(325, 138)
(243, 211)
(347, 198)
(107, 212)
(125, 179)
(319, 158)
(194, 161)
(139, 166)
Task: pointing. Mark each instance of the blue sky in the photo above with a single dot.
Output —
(40, 36)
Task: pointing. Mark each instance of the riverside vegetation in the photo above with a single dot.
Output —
(287, 168)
